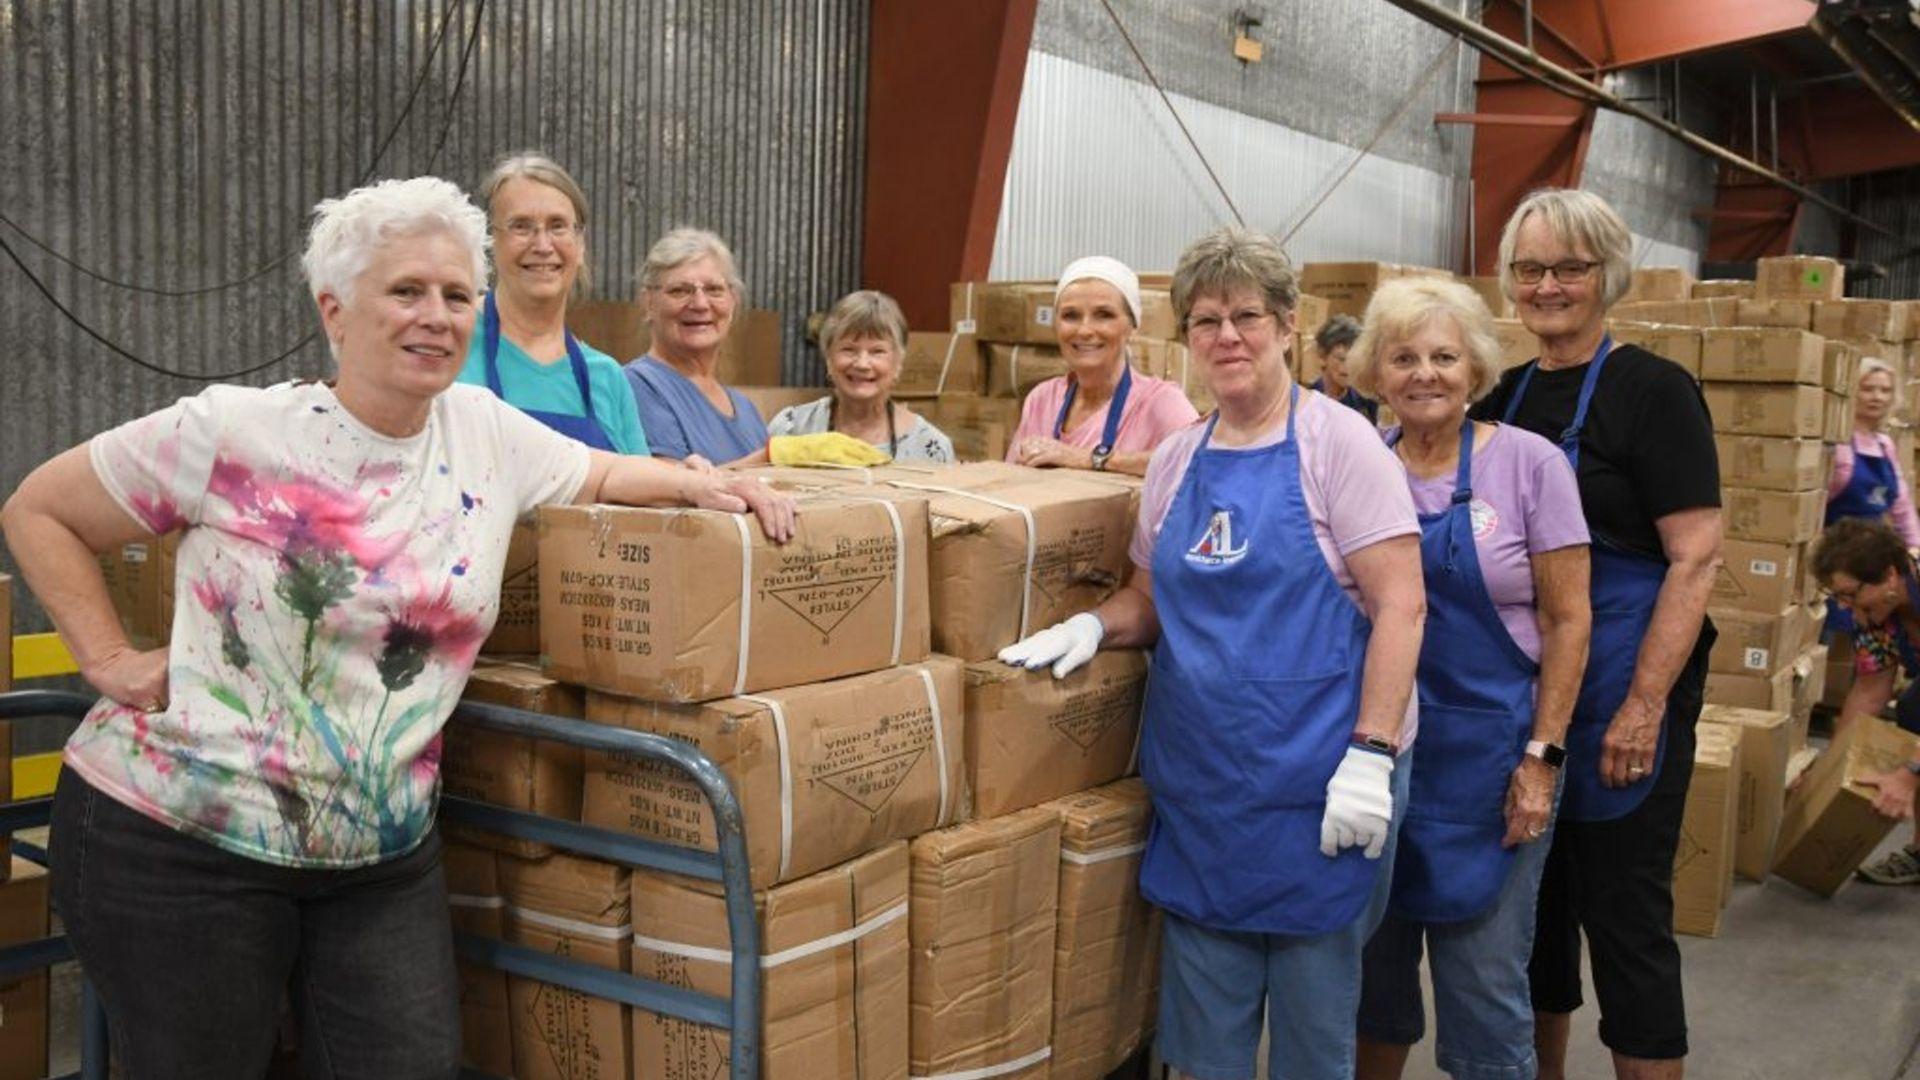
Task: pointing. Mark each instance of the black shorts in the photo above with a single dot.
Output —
(1614, 880)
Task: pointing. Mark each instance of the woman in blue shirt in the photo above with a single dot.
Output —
(690, 289)
(521, 348)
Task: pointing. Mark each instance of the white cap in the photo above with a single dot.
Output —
(1108, 269)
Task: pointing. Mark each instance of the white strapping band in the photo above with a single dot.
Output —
(746, 602)
(786, 777)
(573, 927)
(468, 900)
(953, 343)
(986, 1072)
(939, 738)
(1026, 514)
(966, 325)
(784, 956)
(1088, 858)
(899, 569)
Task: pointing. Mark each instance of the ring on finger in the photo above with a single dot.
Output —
(1535, 833)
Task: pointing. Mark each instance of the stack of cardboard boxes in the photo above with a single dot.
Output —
(943, 851)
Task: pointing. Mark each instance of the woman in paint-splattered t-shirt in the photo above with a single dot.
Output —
(257, 800)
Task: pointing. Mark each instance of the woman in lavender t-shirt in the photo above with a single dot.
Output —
(1504, 553)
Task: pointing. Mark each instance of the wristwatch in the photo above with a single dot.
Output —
(1379, 744)
(1100, 456)
(1549, 754)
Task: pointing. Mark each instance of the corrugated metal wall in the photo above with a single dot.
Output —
(1099, 165)
(1654, 181)
(1892, 199)
(178, 145)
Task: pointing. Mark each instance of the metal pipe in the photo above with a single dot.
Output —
(1529, 12)
(1553, 76)
(1753, 114)
(1773, 126)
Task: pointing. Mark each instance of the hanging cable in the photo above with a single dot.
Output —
(1168, 102)
(459, 82)
(1433, 68)
(406, 110)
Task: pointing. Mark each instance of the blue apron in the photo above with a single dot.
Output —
(1115, 408)
(1868, 494)
(583, 428)
(1476, 713)
(1623, 589)
(1251, 702)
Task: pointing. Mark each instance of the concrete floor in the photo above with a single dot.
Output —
(1795, 988)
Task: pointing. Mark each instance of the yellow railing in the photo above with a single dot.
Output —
(39, 656)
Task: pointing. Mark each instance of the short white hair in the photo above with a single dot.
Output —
(684, 245)
(348, 230)
(1578, 219)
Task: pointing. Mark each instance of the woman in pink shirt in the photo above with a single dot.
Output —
(1102, 414)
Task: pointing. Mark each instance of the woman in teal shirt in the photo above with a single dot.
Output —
(521, 348)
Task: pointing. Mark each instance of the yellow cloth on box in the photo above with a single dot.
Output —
(826, 448)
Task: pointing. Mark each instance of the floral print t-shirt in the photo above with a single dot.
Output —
(333, 585)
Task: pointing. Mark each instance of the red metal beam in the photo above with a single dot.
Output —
(1646, 31)
(1846, 131)
(1752, 221)
(943, 91)
(1504, 119)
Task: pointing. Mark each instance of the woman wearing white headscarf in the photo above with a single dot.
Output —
(1102, 414)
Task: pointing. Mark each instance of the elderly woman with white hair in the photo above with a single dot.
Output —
(1503, 549)
(1637, 433)
(690, 289)
(864, 338)
(1102, 414)
(253, 805)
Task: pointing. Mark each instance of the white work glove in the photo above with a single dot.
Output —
(1359, 803)
(1065, 645)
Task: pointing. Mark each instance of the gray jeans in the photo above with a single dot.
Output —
(191, 947)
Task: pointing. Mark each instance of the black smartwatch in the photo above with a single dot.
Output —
(1549, 754)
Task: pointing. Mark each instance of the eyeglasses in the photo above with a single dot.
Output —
(1408, 361)
(1245, 322)
(1566, 271)
(684, 292)
(525, 229)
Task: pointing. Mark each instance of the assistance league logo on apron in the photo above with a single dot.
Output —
(1215, 547)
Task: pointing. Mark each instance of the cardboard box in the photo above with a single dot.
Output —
(1032, 737)
(751, 353)
(833, 983)
(1771, 464)
(1840, 367)
(1757, 577)
(1795, 412)
(1758, 643)
(1659, 283)
(983, 911)
(535, 775)
(769, 400)
(1517, 343)
(1799, 277)
(575, 908)
(1809, 682)
(621, 611)
(477, 907)
(6, 624)
(140, 584)
(1762, 355)
(1765, 746)
(1882, 319)
(1348, 286)
(1787, 314)
(1838, 426)
(1173, 361)
(23, 998)
(1015, 553)
(1156, 313)
(1310, 313)
(822, 772)
(981, 428)
(1679, 312)
(1703, 861)
(1722, 288)
(1489, 289)
(1784, 517)
(1011, 312)
(1014, 370)
(1106, 951)
(516, 628)
(1830, 824)
(945, 363)
(1680, 344)
(1769, 692)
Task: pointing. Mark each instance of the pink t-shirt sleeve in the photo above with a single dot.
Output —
(1162, 411)
(1359, 485)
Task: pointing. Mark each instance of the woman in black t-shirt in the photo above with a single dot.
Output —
(1641, 443)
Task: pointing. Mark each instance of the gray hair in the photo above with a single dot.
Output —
(541, 169)
(1399, 309)
(1337, 331)
(348, 230)
(684, 245)
(1580, 219)
(866, 313)
(1233, 258)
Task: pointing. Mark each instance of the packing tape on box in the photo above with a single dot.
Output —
(784, 956)
(1089, 858)
(939, 737)
(899, 567)
(746, 601)
(570, 927)
(986, 1072)
(484, 903)
(953, 342)
(1026, 514)
(966, 324)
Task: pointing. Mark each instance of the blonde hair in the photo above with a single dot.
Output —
(1399, 309)
(1580, 219)
(1873, 365)
(541, 169)
(1232, 258)
(867, 313)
